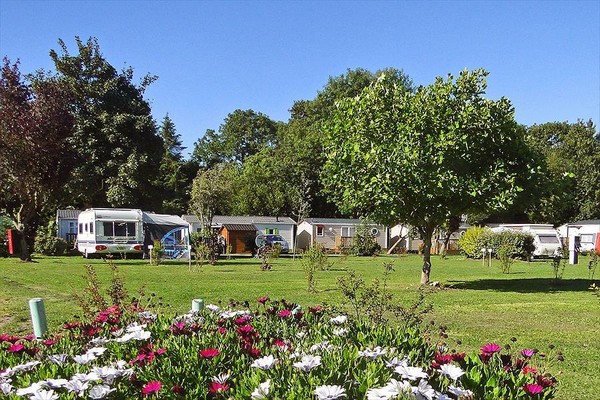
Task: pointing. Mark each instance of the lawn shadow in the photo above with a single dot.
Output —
(529, 285)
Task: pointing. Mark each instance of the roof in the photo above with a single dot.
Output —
(334, 221)
(240, 227)
(587, 222)
(163, 219)
(219, 220)
(192, 219)
(67, 214)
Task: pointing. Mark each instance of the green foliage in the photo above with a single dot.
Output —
(504, 254)
(47, 243)
(212, 192)
(559, 262)
(471, 243)
(4, 226)
(313, 259)
(94, 298)
(365, 241)
(592, 264)
(206, 246)
(157, 253)
(444, 147)
(115, 145)
(511, 244)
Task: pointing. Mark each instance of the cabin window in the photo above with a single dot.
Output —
(80, 228)
(271, 231)
(346, 231)
(548, 239)
(85, 226)
(72, 227)
(587, 239)
(320, 231)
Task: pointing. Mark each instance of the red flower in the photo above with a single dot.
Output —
(284, 313)
(222, 330)
(216, 387)
(262, 300)
(16, 348)
(209, 353)
(177, 389)
(49, 342)
(442, 359)
(29, 338)
(533, 388)
(315, 309)
(71, 325)
(490, 349)
(151, 388)
(529, 370)
(544, 381)
(458, 356)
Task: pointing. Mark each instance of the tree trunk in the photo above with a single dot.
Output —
(426, 234)
(445, 244)
(25, 255)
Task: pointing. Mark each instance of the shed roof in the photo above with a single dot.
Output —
(67, 214)
(240, 227)
(219, 220)
(587, 222)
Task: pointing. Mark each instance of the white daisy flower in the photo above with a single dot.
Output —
(262, 391)
(452, 371)
(330, 392)
(308, 362)
(265, 362)
(100, 392)
(372, 354)
(339, 320)
(410, 373)
(44, 395)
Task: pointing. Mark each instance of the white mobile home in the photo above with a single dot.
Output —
(110, 230)
(335, 234)
(257, 225)
(588, 232)
(545, 238)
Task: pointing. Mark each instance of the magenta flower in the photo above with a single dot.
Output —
(262, 300)
(533, 388)
(209, 353)
(527, 353)
(151, 388)
(490, 349)
(284, 313)
(16, 348)
(216, 387)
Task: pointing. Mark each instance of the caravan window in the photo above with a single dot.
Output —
(91, 227)
(587, 239)
(107, 227)
(119, 228)
(80, 228)
(548, 239)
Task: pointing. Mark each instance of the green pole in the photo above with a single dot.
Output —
(197, 304)
(38, 317)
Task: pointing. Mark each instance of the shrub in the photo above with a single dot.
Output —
(47, 243)
(313, 259)
(206, 246)
(365, 242)
(516, 244)
(156, 253)
(4, 225)
(470, 243)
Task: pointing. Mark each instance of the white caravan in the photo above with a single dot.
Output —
(110, 230)
(545, 238)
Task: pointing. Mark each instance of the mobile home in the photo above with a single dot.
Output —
(336, 234)
(545, 238)
(110, 230)
(588, 232)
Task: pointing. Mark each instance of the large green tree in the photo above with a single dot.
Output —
(242, 134)
(571, 186)
(422, 157)
(35, 159)
(213, 190)
(115, 141)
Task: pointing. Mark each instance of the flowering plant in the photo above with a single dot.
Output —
(275, 351)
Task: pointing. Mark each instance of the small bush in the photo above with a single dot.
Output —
(206, 246)
(156, 253)
(470, 243)
(365, 242)
(47, 243)
(313, 259)
(4, 225)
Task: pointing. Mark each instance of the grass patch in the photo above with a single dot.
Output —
(478, 304)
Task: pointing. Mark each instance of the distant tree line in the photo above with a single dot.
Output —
(84, 135)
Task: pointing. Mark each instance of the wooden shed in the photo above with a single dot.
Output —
(237, 235)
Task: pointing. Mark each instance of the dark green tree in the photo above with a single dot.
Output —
(423, 157)
(35, 156)
(571, 186)
(115, 143)
(173, 180)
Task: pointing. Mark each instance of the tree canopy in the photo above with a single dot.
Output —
(423, 157)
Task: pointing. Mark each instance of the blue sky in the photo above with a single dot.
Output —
(214, 57)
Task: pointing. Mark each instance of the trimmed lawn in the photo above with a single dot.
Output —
(478, 304)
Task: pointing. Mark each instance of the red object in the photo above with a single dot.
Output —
(14, 237)
(138, 247)
(101, 247)
(598, 242)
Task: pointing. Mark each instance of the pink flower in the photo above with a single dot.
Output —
(490, 349)
(529, 370)
(527, 353)
(209, 353)
(49, 342)
(16, 348)
(533, 388)
(262, 300)
(284, 313)
(216, 387)
(151, 388)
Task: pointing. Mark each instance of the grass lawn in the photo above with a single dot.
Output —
(478, 304)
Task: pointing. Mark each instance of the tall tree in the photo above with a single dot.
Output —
(423, 157)
(113, 121)
(242, 134)
(212, 191)
(571, 186)
(35, 161)
(172, 179)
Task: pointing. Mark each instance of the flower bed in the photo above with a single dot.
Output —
(272, 352)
